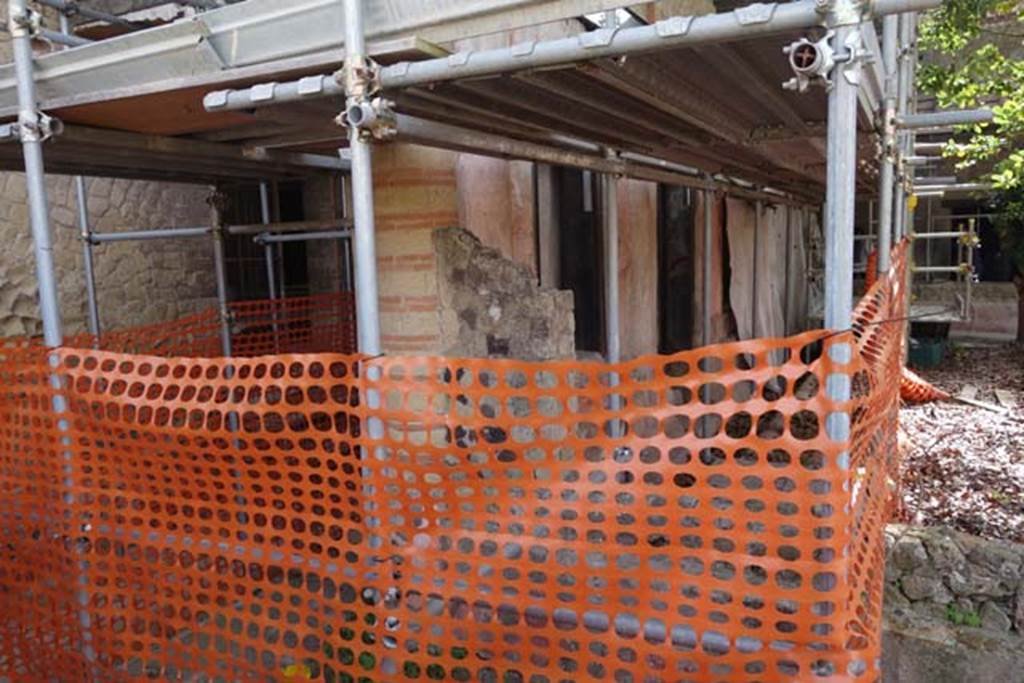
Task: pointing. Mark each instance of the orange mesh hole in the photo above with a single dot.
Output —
(331, 517)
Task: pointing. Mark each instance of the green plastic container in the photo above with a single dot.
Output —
(927, 352)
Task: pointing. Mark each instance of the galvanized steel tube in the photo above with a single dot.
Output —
(303, 236)
(141, 235)
(744, 22)
(890, 50)
(85, 233)
(268, 250)
(367, 302)
(944, 118)
(220, 273)
(841, 191)
(610, 234)
(840, 198)
(31, 144)
(706, 271)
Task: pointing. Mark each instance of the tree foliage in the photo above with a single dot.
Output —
(974, 57)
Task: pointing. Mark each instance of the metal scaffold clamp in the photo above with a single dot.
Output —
(372, 116)
(816, 62)
(29, 23)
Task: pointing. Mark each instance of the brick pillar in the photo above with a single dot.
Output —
(415, 192)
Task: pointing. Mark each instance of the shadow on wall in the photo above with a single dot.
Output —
(492, 307)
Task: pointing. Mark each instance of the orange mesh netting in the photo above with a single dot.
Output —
(328, 517)
(913, 387)
(314, 324)
(916, 389)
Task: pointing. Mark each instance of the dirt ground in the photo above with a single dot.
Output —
(963, 466)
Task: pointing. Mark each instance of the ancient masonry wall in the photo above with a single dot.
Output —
(137, 282)
(491, 306)
(954, 607)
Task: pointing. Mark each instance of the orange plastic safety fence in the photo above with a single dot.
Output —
(330, 517)
(324, 323)
(915, 389)
(318, 324)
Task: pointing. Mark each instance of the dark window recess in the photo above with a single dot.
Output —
(676, 265)
(244, 258)
(292, 255)
(580, 254)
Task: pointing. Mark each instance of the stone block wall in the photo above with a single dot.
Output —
(137, 282)
(954, 607)
(491, 306)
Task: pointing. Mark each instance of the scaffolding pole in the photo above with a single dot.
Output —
(367, 302)
(268, 249)
(890, 49)
(941, 119)
(900, 199)
(745, 22)
(610, 233)
(705, 320)
(841, 179)
(758, 210)
(220, 273)
(85, 235)
(32, 126)
(840, 198)
(88, 266)
(145, 235)
(268, 239)
(346, 245)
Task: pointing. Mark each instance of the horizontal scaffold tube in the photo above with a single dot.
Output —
(136, 235)
(744, 22)
(289, 226)
(957, 187)
(303, 236)
(248, 229)
(940, 119)
(939, 235)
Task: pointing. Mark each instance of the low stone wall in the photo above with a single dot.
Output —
(954, 607)
(492, 307)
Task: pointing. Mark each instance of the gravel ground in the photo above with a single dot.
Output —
(963, 466)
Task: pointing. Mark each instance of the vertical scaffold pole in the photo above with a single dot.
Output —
(890, 49)
(902, 86)
(758, 210)
(346, 243)
(268, 256)
(911, 108)
(220, 273)
(88, 266)
(33, 128)
(85, 234)
(839, 210)
(268, 248)
(841, 178)
(610, 233)
(706, 270)
(365, 248)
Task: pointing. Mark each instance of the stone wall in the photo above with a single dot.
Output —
(954, 607)
(491, 306)
(137, 282)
